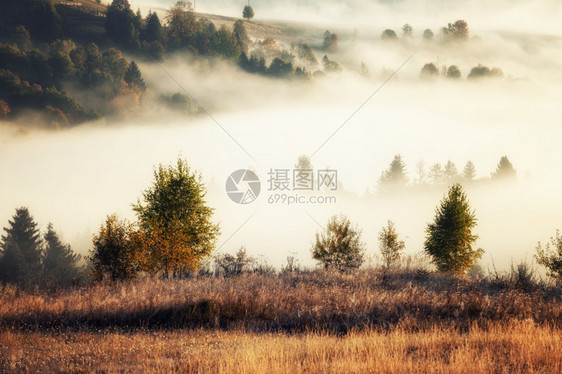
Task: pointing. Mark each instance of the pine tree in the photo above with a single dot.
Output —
(12, 263)
(504, 170)
(330, 41)
(60, 263)
(280, 68)
(449, 238)
(244, 62)
(121, 24)
(450, 172)
(394, 178)
(469, 171)
(421, 178)
(436, 174)
(225, 44)
(133, 76)
(21, 249)
(152, 31)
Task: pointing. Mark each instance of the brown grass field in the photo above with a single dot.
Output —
(406, 321)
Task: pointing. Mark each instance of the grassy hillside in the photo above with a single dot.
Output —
(83, 19)
(285, 32)
(86, 18)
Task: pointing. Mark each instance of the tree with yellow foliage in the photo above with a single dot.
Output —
(117, 252)
(175, 221)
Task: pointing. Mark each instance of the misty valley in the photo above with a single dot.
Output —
(212, 177)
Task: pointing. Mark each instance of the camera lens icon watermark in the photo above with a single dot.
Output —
(243, 186)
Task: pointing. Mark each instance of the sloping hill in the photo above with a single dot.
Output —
(83, 19)
(282, 31)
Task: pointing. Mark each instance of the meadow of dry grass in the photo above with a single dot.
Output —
(307, 321)
(320, 301)
(515, 347)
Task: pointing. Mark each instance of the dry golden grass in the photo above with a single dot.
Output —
(515, 347)
(308, 321)
(316, 301)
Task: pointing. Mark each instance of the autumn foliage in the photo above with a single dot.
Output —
(174, 232)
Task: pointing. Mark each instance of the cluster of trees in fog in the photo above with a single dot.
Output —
(38, 16)
(449, 239)
(453, 32)
(29, 258)
(449, 242)
(45, 69)
(174, 236)
(430, 71)
(53, 67)
(395, 177)
(457, 31)
(66, 63)
(182, 30)
(32, 78)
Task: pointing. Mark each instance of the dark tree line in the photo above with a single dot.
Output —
(183, 31)
(395, 179)
(29, 258)
(454, 32)
(38, 16)
(33, 78)
(278, 68)
(42, 72)
(180, 31)
(430, 70)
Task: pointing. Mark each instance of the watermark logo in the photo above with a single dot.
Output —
(243, 186)
(302, 179)
(286, 186)
(299, 185)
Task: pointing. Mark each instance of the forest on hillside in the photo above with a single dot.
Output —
(64, 63)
